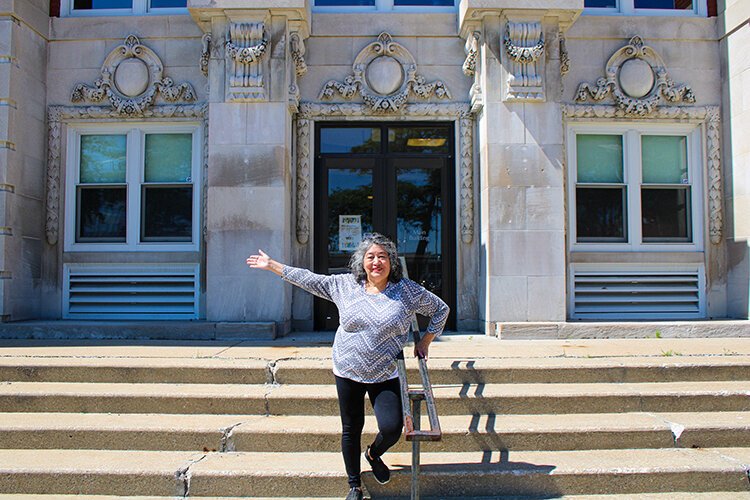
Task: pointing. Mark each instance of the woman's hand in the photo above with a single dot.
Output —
(422, 348)
(263, 261)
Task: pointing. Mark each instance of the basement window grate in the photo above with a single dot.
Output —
(638, 294)
(153, 292)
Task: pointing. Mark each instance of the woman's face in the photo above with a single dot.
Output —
(377, 264)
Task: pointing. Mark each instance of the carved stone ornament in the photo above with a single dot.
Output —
(297, 52)
(205, 53)
(524, 46)
(472, 68)
(385, 74)
(457, 112)
(637, 79)
(564, 57)
(58, 115)
(132, 77)
(245, 47)
(711, 119)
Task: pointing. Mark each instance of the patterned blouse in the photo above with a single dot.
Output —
(373, 328)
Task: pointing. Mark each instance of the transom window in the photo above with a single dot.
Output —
(133, 189)
(384, 5)
(647, 7)
(635, 188)
(123, 7)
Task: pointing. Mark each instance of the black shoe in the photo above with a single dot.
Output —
(354, 494)
(379, 469)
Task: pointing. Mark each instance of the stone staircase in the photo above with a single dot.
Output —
(666, 418)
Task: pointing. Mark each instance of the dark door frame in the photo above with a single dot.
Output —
(384, 188)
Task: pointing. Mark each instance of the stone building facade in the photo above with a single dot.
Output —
(537, 161)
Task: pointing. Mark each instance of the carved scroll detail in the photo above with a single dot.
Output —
(143, 78)
(205, 53)
(297, 52)
(385, 75)
(473, 68)
(654, 78)
(525, 48)
(245, 47)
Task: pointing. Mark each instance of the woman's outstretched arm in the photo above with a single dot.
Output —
(263, 261)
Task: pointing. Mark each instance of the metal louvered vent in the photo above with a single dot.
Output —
(637, 294)
(158, 292)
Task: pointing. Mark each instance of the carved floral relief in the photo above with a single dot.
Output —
(384, 74)
(245, 49)
(525, 49)
(638, 81)
(132, 77)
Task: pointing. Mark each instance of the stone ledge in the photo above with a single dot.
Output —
(139, 330)
(623, 330)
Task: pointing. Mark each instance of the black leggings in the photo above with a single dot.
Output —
(385, 398)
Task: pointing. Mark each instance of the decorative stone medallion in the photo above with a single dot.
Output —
(131, 78)
(637, 78)
(385, 74)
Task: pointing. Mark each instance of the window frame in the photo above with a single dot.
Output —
(382, 6)
(134, 180)
(140, 8)
(632, 175)
(627, 8)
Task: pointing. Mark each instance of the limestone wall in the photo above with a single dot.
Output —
(734, 42)
(23, 28)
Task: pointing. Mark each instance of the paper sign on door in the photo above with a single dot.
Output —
(350, 232)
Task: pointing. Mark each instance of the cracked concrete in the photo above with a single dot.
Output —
(227, 442)
(183, 475)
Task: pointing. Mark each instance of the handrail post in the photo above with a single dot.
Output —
(417, 415)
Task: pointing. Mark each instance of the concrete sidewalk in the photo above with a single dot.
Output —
(317, 346)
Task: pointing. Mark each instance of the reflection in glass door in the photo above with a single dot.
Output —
(395, 180)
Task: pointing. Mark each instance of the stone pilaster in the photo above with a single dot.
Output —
(254, 61)
(513, 55)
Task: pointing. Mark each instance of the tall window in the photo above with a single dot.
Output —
(133, 189)
(646, 7)
(638, 188)
(113, 7)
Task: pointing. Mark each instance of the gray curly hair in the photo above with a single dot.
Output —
(356, 263)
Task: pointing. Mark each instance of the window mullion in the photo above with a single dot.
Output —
(632, 161)
(384, 5)
(140, 7)
(627, 7)
(134, 160)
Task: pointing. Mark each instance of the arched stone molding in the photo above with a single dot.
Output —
(384, 73)
(711, 119)
(131, 78)
(457, 112)
(57, 116)
(637, 78)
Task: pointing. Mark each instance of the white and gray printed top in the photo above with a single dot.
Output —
(373, 328)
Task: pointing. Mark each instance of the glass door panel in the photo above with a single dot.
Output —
(404, 192)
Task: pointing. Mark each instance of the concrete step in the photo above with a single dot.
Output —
(461, 433)
(465, 399)
(540, 473)
(318, 371)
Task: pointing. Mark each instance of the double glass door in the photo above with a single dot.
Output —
(394, 179)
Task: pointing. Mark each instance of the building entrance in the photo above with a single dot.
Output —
(393, 178)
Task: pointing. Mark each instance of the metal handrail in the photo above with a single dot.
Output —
(411, 401)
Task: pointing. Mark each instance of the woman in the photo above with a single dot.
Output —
(375, 306)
